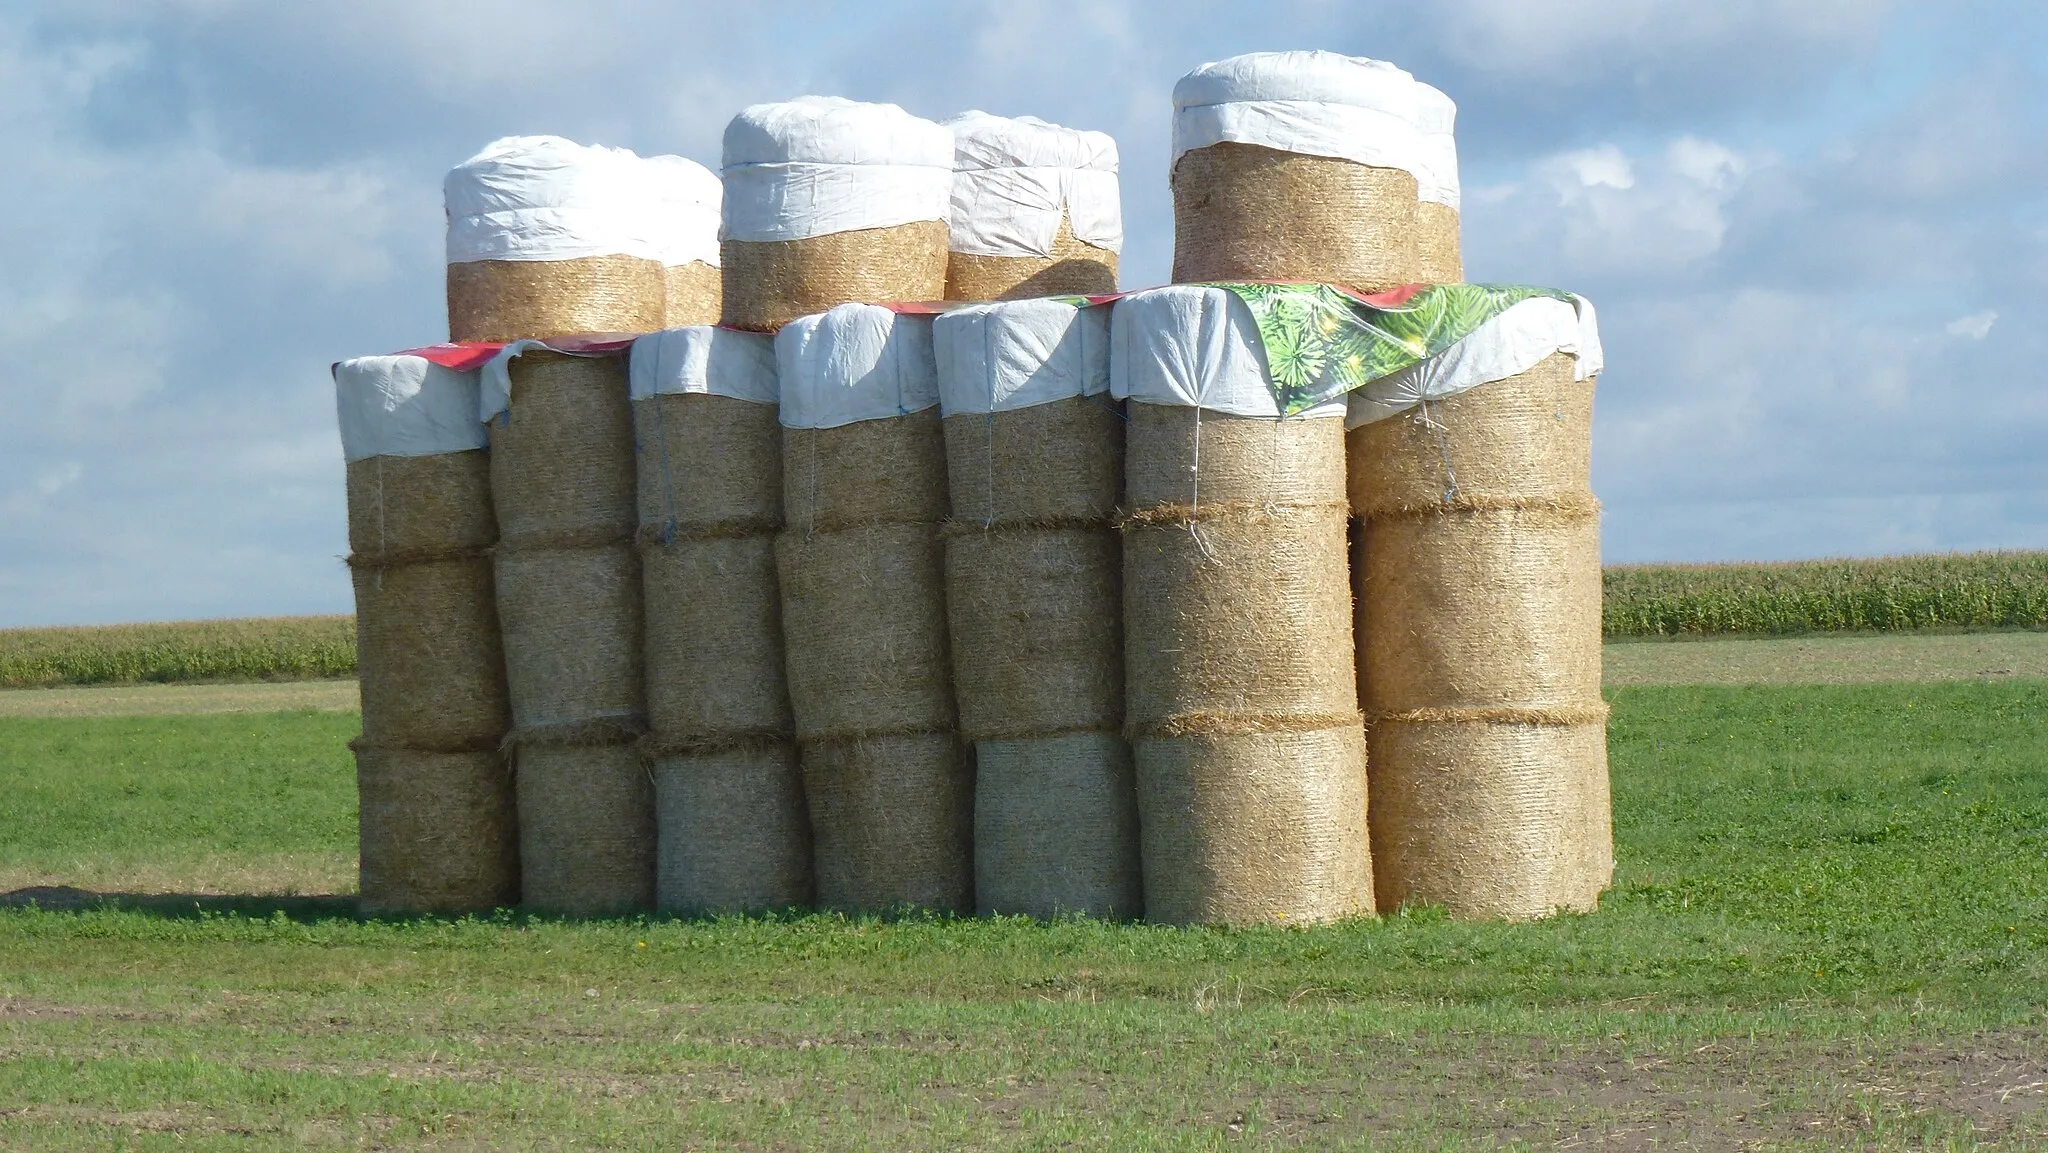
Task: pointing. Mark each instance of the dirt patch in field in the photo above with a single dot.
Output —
(178, 700)
(1822, 660)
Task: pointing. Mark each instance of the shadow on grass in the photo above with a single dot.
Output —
(186, 906)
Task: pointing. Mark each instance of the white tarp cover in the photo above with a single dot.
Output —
(546, 198)
(1511, 343)
(686, 200)
(1195, 347)
(1007, 355)
(857, 362)
(404, 406)
(1014, 177)
(1436, 117)
(818, 165)
(1317, 104)
(706, 359)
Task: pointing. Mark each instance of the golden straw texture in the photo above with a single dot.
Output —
(733, 833)
(769, 283)
(562, 457)
(514, 299)
(691, 294)
(1075, 268)
(1479, 633)
(1439, 250)
(571, 620)
(1033, 588)
(1244, 212)
(891, 821)
(439, 834)
(586, 828)
(1240, 684)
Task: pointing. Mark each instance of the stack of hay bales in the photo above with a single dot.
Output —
(1479, 620)
(731, 829)
(1439, 249)
(1034, 454)
(1035, 210)
(684, 229)
(547, 238)
(437, 827)
(1298, 166)
(830, 201)
(1240, 684)
(863, 611)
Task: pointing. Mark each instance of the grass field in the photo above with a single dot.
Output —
(1976, 591)
(1830, 930)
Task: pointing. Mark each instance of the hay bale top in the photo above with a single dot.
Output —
(1009, 355)
(857, 362)
(1195, 347)
(1015, 177)
(1319, 104)
(405, 406)
(547, 198)
(704, 359)
(686, 201)
(819, 165)
(1510, 344)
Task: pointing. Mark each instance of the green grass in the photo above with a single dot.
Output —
(253, 649)
(1991, 590)
(1830, 929)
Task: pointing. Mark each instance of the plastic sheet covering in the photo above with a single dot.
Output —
(686, 199)
(405, 406)
(818, 165)
(1196, 347)
(1014, 177)
(1009, 355)
(702, 358)
(546, 198)
(1508, 345)
(1436, 117)
(1314, 103)
(857, 362)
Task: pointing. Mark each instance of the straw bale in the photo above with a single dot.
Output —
(586, 828)
(734, 833)
(515, 299)
(1074, 268)
(768, 283)
(1529, 436)
(1479, 609)
(1490, 818)
(1047, 465)
(710, 503)
(1251, 828)
(1240, 687)
(562, 457)
(1246, 212)
(691, 294)
(864, 622)
(892, 821)
(891, 470)
(402, 507)
(1056, 827)
(1439, 250)
(438, 831)
(571, 620)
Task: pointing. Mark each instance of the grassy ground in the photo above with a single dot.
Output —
(1830, 930)
(1991, 590)
(253, 649)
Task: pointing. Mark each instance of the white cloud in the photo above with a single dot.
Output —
(1975, 326)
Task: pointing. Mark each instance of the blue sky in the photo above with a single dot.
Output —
(1817, 232)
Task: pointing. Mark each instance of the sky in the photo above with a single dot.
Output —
(1816, 232)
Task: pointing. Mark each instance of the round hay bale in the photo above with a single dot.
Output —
(1439, 248)
(1056, 827)
(1255, 827)
(1492, 818)
(1074, 268)
(428, 654)
(1240, 686)
(734, 834)
(439, 831)
(892, 821)
(693, 293)
(1247, 212)
(571, 620)
(586, 828)
(769, 283)
(516, 299)
(562, 468)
